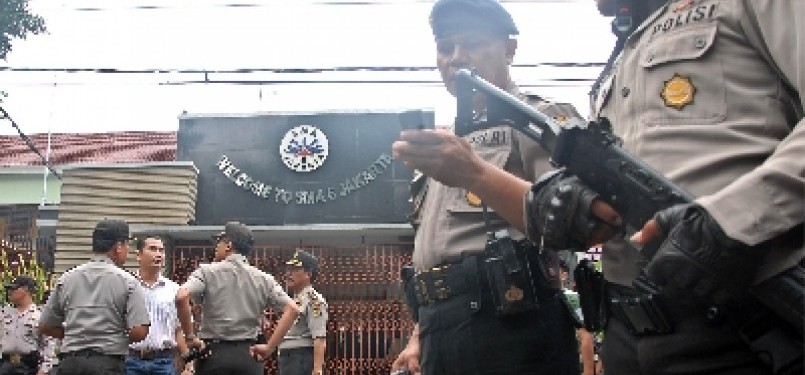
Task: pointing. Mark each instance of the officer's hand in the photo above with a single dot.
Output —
(195, 343)
(563, 213)
(439, 154)
(408, 358)
(260, 352)
(696, 258)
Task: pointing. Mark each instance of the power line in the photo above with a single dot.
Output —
(29, 142)
(262, 4)
(280, 70)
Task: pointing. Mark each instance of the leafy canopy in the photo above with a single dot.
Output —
(16, 22)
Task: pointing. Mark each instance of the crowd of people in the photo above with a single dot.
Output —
(706, 92)
(106, 320)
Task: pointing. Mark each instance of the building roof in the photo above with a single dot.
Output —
(71, 148)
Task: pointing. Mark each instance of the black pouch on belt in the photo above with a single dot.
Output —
(510, 276)
(407, 276)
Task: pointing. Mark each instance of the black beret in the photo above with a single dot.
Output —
(453, 16)
(22, 280)
(305, 260)
(239, 234)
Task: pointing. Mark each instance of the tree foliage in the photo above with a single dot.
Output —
(16, 22)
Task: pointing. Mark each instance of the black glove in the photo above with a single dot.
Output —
(557, 212)
(696, 258)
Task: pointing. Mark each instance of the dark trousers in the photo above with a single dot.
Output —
(456, 340)
(90, 364)
(695, 347)
(6, 368)
(296, 361)
(229, 358)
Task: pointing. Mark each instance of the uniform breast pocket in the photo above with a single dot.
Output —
(683, 77)
(493, 145)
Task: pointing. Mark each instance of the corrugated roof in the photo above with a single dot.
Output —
(70, 148)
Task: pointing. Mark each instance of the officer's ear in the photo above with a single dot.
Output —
(511, 48)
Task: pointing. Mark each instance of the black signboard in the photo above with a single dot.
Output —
(299, 167)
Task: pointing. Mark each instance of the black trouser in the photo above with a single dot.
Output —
(694, 347)
(88, 362)
(229, 357)
(28, 364)
(296, 361)
(454, 339)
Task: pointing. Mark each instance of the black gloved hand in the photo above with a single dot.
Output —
(557, 212)
(697, 259)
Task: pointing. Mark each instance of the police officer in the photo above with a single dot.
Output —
(458, 331)
(22, 345)
(707, 93)
(233, 296)
(97, 308)
(301, 351)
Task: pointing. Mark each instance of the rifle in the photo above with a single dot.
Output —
(593, 153)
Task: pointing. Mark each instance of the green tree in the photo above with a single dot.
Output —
(16, 21)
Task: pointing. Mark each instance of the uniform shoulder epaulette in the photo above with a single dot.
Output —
(316, 301)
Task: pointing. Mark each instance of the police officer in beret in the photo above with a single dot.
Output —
(707, 93)
(302, 349)
(233, 295)
(97, 308)
(25, 350)
(458, 330)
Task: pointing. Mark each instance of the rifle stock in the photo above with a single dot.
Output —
(590, 151)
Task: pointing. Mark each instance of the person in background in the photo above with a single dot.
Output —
(97, 308)
(233, 296)
(155, 355)
(25, 350)
(302, 349)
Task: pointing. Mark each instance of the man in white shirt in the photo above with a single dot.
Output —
(155, 354)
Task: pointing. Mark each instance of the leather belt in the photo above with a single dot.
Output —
(148, 354)
(88, 353)
(230, 342)
(446, 281)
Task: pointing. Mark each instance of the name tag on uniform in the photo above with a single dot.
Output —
(15, 359)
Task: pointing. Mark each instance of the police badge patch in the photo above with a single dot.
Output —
(472, 199)
(678, 91)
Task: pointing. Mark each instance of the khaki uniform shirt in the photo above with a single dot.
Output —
(705, 92)
(20, 335)
(98, 302)
(311, 322)
(450, 219)
(233, 296)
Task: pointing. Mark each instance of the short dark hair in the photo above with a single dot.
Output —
(140, 243)
(107, 233)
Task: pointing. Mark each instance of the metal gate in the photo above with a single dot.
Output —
(368, 321)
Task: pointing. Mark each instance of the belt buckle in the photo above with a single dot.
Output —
(15, 359)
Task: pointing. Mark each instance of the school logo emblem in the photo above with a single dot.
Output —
(304, 148)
